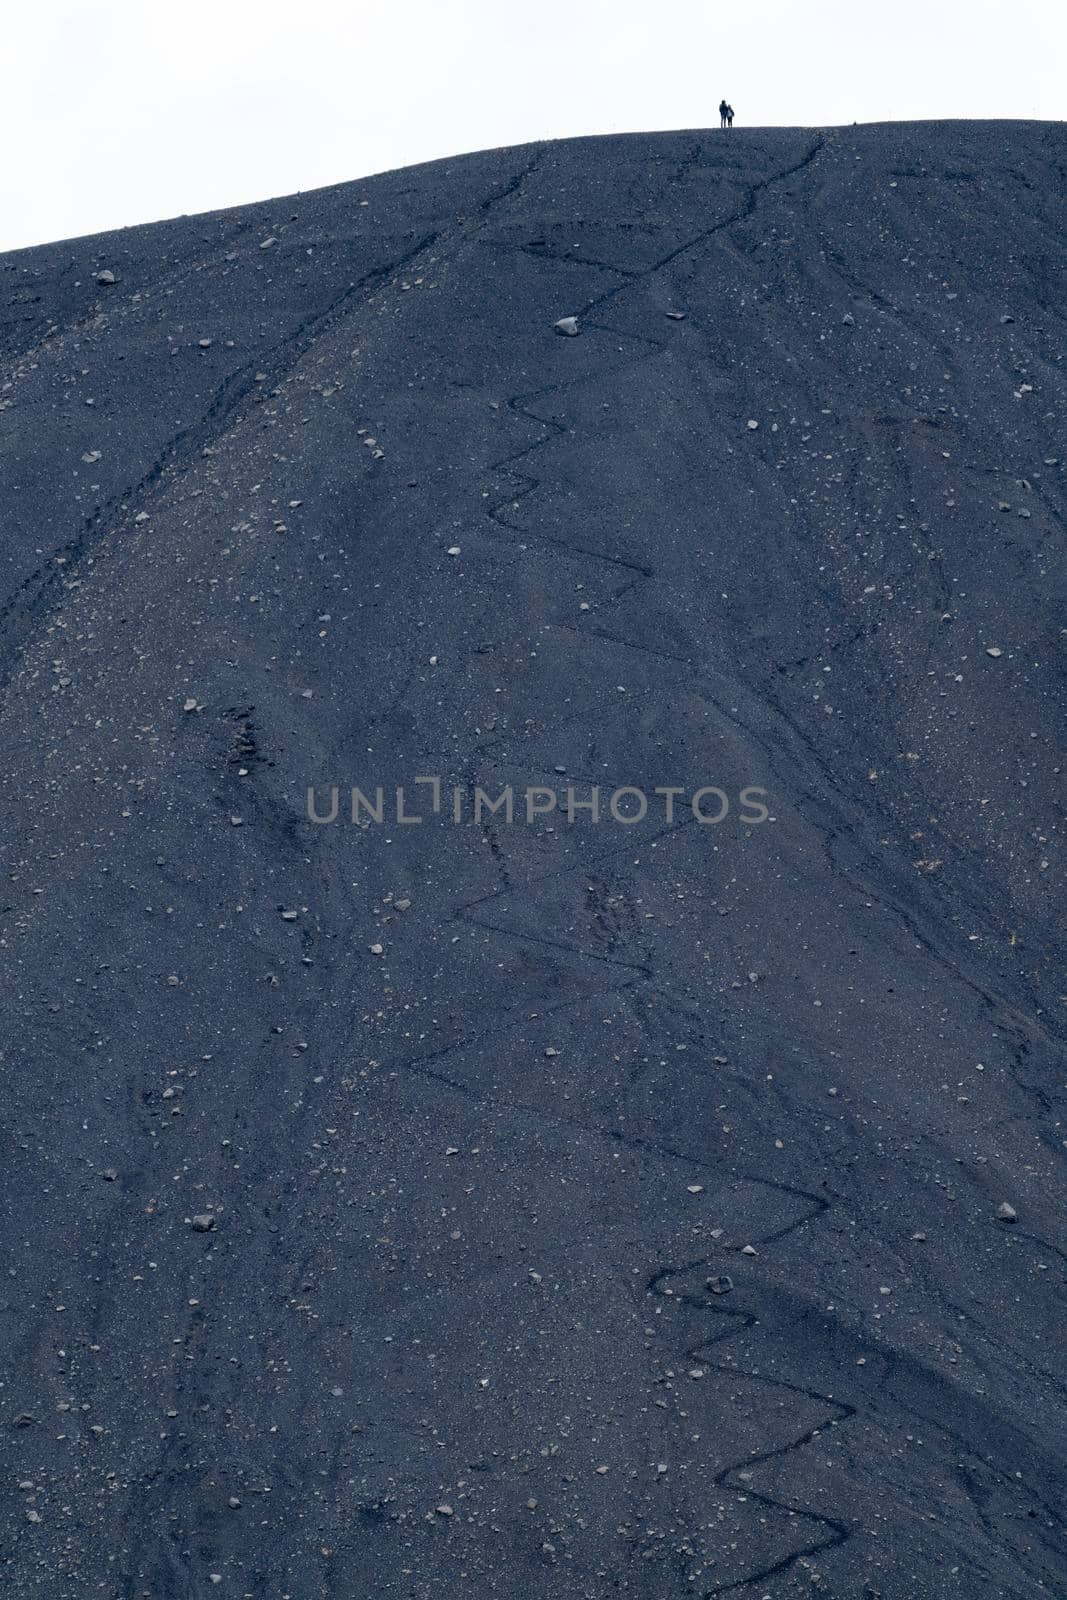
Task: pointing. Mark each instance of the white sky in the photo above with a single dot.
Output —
(125, 111)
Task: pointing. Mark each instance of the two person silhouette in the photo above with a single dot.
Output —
(726, 115)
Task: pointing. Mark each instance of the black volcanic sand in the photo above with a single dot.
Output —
(470, 1128)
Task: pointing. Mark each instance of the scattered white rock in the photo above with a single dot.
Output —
(568, 326)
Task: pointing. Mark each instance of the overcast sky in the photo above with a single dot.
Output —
(127, 111)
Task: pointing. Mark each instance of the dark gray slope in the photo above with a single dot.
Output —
(817, 1037)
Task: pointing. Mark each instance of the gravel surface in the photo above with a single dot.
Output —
(557, 1208)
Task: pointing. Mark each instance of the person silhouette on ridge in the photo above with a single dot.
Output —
(724, 112)
(729, 116)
